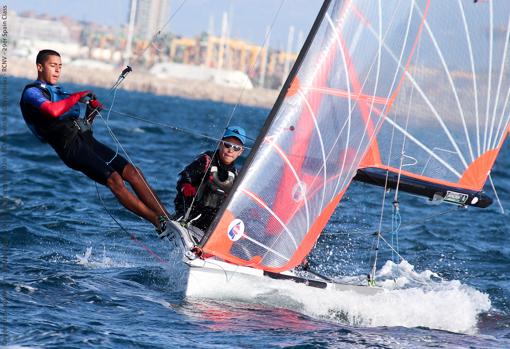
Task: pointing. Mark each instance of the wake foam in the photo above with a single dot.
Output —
(408, 299)
(411, 299)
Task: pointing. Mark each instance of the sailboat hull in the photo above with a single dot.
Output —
(211, 275)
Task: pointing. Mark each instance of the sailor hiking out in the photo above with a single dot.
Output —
(63, 120)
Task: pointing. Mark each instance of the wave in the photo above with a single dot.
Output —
(410, 300)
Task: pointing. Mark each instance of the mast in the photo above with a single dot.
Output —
(272, 113)
(360, 83)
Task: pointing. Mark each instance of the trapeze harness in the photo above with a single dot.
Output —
(68, 123)
(214, 191)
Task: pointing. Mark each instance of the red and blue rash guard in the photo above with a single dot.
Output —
(34, 96)
(52, 115)
(48, 110)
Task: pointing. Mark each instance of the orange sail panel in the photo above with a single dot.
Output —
(323, 124)
(450, 116)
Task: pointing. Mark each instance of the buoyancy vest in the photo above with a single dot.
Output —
(215, 190)
(45, 128)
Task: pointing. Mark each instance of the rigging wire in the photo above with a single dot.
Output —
(172, 127)
(130, 160)
(131, 235)
(432, 216)
(110, 131)
(395, 251)
(234, 109)
(502, 210)
(158, 32)
(409, 224)
(121, 78)
(396, 219)
(118, 145)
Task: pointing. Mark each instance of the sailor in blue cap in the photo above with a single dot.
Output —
(208, 180)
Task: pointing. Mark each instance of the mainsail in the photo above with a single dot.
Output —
(371, 75)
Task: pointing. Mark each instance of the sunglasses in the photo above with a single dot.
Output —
(234, 147)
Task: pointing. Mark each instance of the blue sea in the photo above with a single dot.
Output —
(73, 278)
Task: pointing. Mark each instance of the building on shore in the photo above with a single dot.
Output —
(242, 63)
(150, 16)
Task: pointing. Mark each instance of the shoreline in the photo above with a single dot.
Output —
(144, 82)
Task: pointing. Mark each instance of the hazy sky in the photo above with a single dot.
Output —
(249, 17)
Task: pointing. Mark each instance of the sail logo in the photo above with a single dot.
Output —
(235, 229)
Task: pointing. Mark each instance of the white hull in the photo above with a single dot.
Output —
(212, 278)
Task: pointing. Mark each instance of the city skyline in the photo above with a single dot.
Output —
(249, 18)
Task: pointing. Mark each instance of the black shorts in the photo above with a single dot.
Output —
(93, 158)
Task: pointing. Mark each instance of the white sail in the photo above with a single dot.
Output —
(316, 135)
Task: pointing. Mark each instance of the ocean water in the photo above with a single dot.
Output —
(73, 278)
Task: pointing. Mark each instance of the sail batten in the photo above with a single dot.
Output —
(410, 137)
(453, 88)
(273, 214)
(459, 76)
(489, 75)
(324, 123)
(473, 72)
(375, 83)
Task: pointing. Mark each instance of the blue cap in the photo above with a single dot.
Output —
(237, 132)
